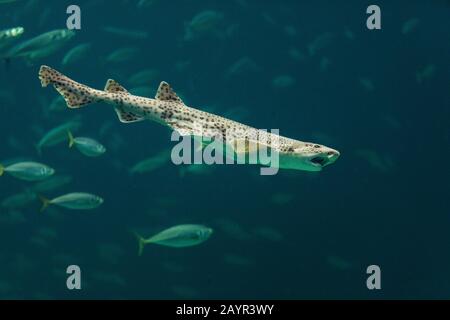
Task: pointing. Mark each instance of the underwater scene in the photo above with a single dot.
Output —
(345, 106)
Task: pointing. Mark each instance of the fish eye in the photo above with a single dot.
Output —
(316, 146)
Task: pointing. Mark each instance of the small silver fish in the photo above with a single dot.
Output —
(426, 73)
(184, 235)
(42, 45)
(18, 200)
(29, 171)
(367, 84)
(76, 53)
(122, 55)
(146, 3)
(11, 33)
(143, 77)
(57, 104)
(197, 169)
(203, 23)
(152, 163)
(57, 135)
(320, 42)
(87, 146)
(127, 33)
(75, 201)
(283, 81)
(8, 37)
(410, 25)
(244, 65)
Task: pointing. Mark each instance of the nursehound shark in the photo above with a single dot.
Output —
(167, 108)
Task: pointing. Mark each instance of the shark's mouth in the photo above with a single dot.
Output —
(323, 160)
(320, 160)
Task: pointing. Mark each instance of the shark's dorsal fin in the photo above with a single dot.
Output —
(114, 86)
(166, 93)
(127, 117)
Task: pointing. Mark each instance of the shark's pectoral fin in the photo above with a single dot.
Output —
(183, 132)
(243, 145)
(184, 128)
(127, 117)
(250, 149)
(166, 93)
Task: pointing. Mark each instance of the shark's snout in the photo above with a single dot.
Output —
(325, 158)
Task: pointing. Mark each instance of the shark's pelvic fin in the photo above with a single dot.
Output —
(124, 116)
(127, 117)
(166, 93)
(114, 86)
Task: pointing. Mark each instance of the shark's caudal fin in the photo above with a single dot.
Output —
(2, 169)
(75, 94)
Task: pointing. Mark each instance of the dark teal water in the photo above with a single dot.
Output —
(295, 235)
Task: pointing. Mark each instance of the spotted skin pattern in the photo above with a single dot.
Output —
(167, 108)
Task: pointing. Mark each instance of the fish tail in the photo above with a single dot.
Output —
(141, 243)
(2, 169)
(45, 202)
(71, 139)
(76, 94)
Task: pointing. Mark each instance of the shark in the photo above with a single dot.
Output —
(168, 108)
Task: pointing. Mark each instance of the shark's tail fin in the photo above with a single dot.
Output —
(76, 94)
(2, 169)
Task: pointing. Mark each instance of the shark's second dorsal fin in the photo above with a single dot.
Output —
(166, 93)
(114, 86)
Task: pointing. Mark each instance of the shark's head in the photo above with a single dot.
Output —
(307, 156)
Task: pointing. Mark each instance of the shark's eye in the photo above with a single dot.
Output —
(316, 146)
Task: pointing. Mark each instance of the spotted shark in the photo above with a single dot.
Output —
(168, 109)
